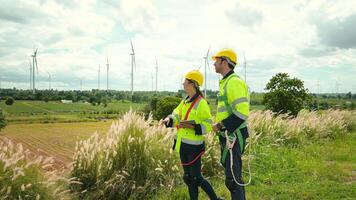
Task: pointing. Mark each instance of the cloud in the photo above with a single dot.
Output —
(317, 51)
(22, 13)
(338, 33)
(245, 16)
(74, 37)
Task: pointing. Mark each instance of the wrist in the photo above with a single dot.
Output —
(220, 125)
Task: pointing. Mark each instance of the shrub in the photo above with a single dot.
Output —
(9, 101)
(165, 106)
(2, 120)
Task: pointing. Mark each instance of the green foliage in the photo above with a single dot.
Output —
(285, 94)
(165, 106)
(2, 120)
(9, 101)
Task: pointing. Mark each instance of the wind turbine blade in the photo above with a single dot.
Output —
(132, 48)
(207, 63)
(207, 53)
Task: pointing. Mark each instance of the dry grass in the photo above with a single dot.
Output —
(307, 126)
(25, 176)
(133, 160)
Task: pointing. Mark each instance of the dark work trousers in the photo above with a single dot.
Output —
(237, 192)
(192, 174)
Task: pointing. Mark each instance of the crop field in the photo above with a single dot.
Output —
(50, 112)
(56, 140)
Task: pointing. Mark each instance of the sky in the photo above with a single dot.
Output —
(314, 41)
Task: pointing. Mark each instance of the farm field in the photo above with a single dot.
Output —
(54, 139)
(51, 112)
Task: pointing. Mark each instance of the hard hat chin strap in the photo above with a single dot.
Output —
(230, 62)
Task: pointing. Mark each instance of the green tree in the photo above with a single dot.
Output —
(2, 120)
(285, 94)
(9, 101)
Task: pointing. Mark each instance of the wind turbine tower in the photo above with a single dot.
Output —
(206, 66)
(107, 74)
(99, 78)
(34, 63)
(133, 65)
(156, 75)
(49, 81)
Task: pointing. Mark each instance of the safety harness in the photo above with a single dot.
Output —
(185, 118)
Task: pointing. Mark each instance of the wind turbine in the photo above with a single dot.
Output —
(30, 75)
(205, 66)
(107, 74)
(133, 64)
(245, 63)
(49, 81)
(156, 75)
(34, 63)
(99, 78)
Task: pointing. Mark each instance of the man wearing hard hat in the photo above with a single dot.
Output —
(232, 113)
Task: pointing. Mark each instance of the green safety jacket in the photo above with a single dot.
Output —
(200, 113)
(233, 108)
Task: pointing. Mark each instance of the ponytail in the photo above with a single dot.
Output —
(198, 91)
(196, 86)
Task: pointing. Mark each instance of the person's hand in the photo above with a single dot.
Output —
(164, 121)
(217, 127)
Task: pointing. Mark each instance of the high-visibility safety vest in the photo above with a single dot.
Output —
(233, 98)
(199, 111)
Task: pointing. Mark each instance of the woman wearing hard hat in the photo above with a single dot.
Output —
(192, 118)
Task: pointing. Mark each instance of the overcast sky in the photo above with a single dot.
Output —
(312, 40)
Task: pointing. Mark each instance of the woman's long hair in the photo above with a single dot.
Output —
(196, 86)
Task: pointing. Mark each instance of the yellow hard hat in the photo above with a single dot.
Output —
(226, 53)
(196, 76)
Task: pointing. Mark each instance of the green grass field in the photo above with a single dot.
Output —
(52, 112)
(321, 170)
